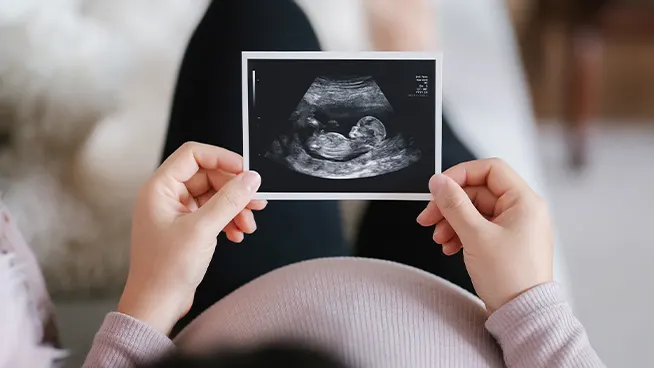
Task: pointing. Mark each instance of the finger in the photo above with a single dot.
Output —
(184, 163)
(258, 205)
(198, 184)
(205, 180)
(245, 221)
(483, 199)
(452, 247)
(236, 237)
(493, 173)
(189, 202)
(456, 207)
(444, 232)
(430, 216)
(204, 198)
(204, 184)
(233, 233)
(228, 202)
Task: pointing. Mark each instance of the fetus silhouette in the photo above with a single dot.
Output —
(363, 137)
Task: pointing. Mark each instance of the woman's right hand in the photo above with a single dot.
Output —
(503, 226)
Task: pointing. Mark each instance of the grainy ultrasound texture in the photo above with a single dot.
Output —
(338, 132)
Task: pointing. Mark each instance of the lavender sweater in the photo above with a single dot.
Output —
(372, 314)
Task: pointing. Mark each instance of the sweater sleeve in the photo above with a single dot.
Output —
(125, 342)
(538, 329)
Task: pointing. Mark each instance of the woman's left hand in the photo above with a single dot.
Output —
(199, 191)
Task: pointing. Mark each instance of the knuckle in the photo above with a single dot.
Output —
(513, 196)
(497, 162)
(532, 206)
(189, 146)
(231, 200)
(452, 202)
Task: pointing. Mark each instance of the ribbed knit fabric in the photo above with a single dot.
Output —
(541, 322)
(371, 314)
(124, 342)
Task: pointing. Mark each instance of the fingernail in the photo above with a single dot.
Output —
(252, 180)
(436, 183)
(420, 216)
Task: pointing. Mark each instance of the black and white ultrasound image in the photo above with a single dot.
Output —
(342, 125)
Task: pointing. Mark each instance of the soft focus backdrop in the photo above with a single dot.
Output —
(564, 93)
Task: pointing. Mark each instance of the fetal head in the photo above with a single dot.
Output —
(370, 129)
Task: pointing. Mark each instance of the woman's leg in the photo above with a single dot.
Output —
(207, 108)
(389, 229)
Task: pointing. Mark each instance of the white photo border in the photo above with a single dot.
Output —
(437, 57)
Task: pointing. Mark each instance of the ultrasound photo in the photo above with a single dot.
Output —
(323, 125)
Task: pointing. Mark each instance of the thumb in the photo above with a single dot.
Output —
(228, 202)
(456, 207)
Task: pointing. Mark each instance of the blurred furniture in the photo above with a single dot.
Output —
(586, 25)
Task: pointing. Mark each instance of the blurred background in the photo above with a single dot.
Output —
(561, 89)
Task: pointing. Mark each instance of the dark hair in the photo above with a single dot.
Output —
(285, 355)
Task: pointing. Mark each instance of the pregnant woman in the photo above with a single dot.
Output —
(370, 312)
(359, 312)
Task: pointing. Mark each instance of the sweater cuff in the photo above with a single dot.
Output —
(141, 341)
(526, 306)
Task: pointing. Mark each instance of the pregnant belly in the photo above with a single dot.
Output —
(336, 147)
